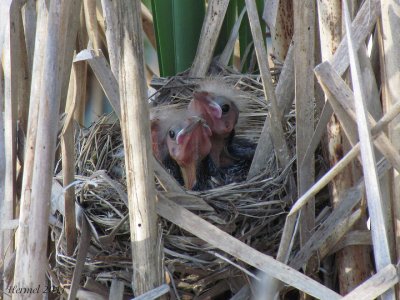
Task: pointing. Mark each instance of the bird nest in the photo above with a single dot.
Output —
(252, 211)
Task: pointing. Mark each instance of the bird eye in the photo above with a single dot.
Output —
(225, 108)
(171, 134)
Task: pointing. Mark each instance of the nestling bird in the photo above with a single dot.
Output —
(216, 104)
(219, 104)
(182, 143)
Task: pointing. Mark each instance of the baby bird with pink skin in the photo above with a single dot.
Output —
(217, 104)
(181, 142)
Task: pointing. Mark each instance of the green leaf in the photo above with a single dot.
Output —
(163, 24)
(187, 22)
(177, 25)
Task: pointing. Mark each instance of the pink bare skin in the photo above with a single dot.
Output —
(221, 114)
(188, 144)
(186, 141)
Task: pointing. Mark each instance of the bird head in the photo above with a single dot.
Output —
(220, 112)
(188, 143)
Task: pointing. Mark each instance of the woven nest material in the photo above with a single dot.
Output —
(253, 210)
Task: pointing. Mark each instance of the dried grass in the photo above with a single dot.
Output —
(252, 211)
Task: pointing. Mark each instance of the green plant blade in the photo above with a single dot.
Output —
(188, 16)
(163, 24)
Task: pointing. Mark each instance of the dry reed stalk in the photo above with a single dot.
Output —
(285, 87)
(330, 28)
(12, 60)
(238, 249)
(117, 289)
(148, 26)
(353, 263)
(112, 35)
(291, 217)
(89, 7)
(324, 180)
(304, 48)
(230, 45)
(389, 59)
(362, 26)
(285, 94)
(68, 45)
(145, 242)
(80, 259)
(270, 15)
(348, 124)
(342, 94)
(343, 230)
(363, 23)
(94, 106)
(374, 287)
(19, 61)
(352, 238)
(68, 153)
(343, 215)
(105, 77)
(4, 238)
(101, 24)
(374, 106)
(31, 257)
(208, 38)
(350, 195)
(166, 180)
(346, 91)
(372, 93)
(4, 12)
(155, 293)
(76, 96)
(304, 55)
(29, 16)
(375, 205)
(277, 134)
(37, 74)
(278, 14)
(82, 43)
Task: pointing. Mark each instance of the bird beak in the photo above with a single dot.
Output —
(194, 122)
(203, 100)
(194, 145)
